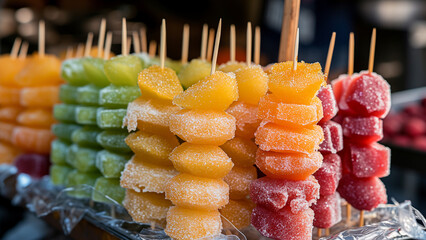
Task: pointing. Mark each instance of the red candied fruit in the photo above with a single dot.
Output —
(363, 130)
(35, 165)
(329, 175)
(333, 137)
(415, 127)
(329, 104)
(327, 211)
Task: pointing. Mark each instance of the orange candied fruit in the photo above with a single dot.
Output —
(238, 212)
(9, 113)
(239, 179)
(10, 96)
(37, 117)
(32, 139)
(40, 96)
(40, 71)
(242, 151)
(8, 153)
(246, 118)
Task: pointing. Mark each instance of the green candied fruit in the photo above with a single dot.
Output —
(175, 65)
(64, 131)
(123, 70)
(118, 96)
(59, 174)
(193, 72)
(76, 178)
(113, 140)
(88, 95)
(111, 164)
(64, 112)
(110, 118)
(108, 187)
(59, 151)
(73, 73)
(68, 94)
(83, 159)
(94, 68)
(86, 115)
(86, 136)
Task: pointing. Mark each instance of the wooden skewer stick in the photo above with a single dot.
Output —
(351, 54)
(210, 45)
(289, 29)
(319, 232)
(15, 48)
(101, 37)
(143, 39)
(108, 45)
(185, 44)
(296, 50)
(216, 47)
(129, 45)
(327, 231)
(123, 37)
(80, 50)
(163, 43)
(136, 42)
(152, 48)
(69, 53)
(89, 42)
(372, 51)
(249, 38)
(361, 218)
(348, 213)
(329, 56)
(24, 50)
(232, 43)
(204, 42)
(257, 45)
(41, 38)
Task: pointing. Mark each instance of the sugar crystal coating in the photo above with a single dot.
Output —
(111, 164)
(107, 189)
(333, 137)
(252, 83)
(364, 130)
(146, 207)
(327, 211)
(330, 173)
(159, 82)
(193, 72)
(329, 104)
(246, 118)
(231, 66)
(340, 86)
(238, 212)
(242, 151)
(239, 179)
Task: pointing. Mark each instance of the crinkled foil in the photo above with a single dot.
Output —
(390, 221)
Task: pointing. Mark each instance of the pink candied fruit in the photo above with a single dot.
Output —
(340, 87)
(329, 104)
(362, 193)
(329, 175)
(363, 130)
(35, 165)
(327, 211)
(283, 225)
(393, 124)
(420, 143)
(369, 95)
(402, 140)
(333, 137)
(415, 127)
(275, 194)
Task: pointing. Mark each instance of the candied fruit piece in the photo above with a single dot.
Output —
(33, 140)
(113, 140)
(106, 188)
(111, 164)
(252, 83)
(6, 131)
(327, 211)
(238, 212)
(110, 118)
(10, 68)
(35, 165)
(59, 151)
(333, 137)
(88, 95)
(39, 96)
(9, 113)
(86, 115)
(146, 207)
(159, 82)
(242, 151)
(123, 70)
(363, 130)
(40, 71)
(68, 94)
(64, 131)
(76, 179)
(193, 72)
(59, 174)
(330, 173)
(10, 96)
(72, 71)
(8, 153)
(36, 117)
(246, 118)
(64, 112)
(118, 96)
(329, 104)
(231, 67)
(239, 179)
(94, 69)
(83, 159)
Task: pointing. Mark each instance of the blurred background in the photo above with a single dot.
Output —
(400, 50)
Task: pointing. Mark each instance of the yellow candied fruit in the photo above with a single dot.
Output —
(239, 179)
(10, 68)
(296, 86)
(152, 148)
(190, 224)
(193, 72)
(188, 191)
(238, 212)
(252, 84)
(201, 160)
(231, 67)
(215, 92)
(242, 151)
(159, 82)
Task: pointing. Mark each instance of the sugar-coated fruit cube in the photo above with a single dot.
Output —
(329, 104)
(10, 68)
(330, 173)
(231, 66)
(76, 179)
(59, 174)
(88, 95)
(86, 136)
(149, 115)
(371, 160)
(192, 159)
(420, 143)
(362, 193)
(94, 68)
(296, 86)
(246, 118)
(118, 96)
(35, 165)
(203, 126)
(363, 130)
(110, 118)
(8, 152)
(39, 96)
(111, 164)
(414, 127)
(188, 191)
(72, 71)
(64, 131)
(64, 112)
(85, 115)
(10, 96)
(32, 139)
(340, 86)
(82, 158)
(68, 94)
(215, 92)
(291, 166)
(40, 71)
(238, 212)
(6, 131)
(333, 137)
(146, 207)
(189, 224)
(58, 152)
(193, 72)
(113, 140)
(36, 117)
(152, 148)
(272, 109)
(141, 176)
(242, 151)
(239, 179)
(369, 95)
(283, 224)
(157, 82)
(108, 188)
(9, 113)
(327, 211)
(273, 137)
(123, 70)
(275, 194)
(252, 83)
